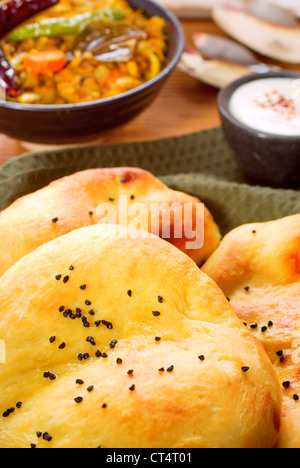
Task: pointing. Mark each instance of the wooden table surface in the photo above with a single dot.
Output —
(184, 106)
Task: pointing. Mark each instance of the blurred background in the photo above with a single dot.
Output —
(186, 104)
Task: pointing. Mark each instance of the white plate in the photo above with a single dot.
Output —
(191, 8)
(203, 8)
(292, 5)
(275, 41)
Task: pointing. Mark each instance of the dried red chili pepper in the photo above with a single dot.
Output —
(12, 14)
(15, 12)
(8, 79)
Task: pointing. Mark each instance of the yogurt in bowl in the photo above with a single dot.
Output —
(260, 116)
(270, 105)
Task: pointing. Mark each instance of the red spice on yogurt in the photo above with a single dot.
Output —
(277, 102)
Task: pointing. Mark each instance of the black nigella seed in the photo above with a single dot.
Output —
(107, 324)
(78, 399)
(170, 369)
(155, 313)
(111, 199)
(71, 268)
(112, 344)
(32, 446)
(39, 434)
(61, 309)
(91, 213)
(87, 302)
(129, 292)
(52, 339)
(83, 356)
(66, 279)
(79, 381)
(83, 287)
(245, 369)
(104, 405)
(263, 329)
(47, 436)
(8, 412)
(132, 197)
(132, 388)
(91, 312)
(49, 375)
(62, 346)
(85, 321)
(130, 372)
(247, 288)
(160, 299)
(58, 277)
(253, 326)
(104, 355)
(119, 361)
(201, 357)
(123, 180)
(270, 323)
(91, 340)
(98, 353)
(281, 359)
(90, 388)
(98, 323)
(157, 338)
(19, 404)
(296, 397)
(286, 384)
(54, 220)
(162, 369)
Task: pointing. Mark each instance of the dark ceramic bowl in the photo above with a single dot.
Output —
(72, 123)
(265, 158)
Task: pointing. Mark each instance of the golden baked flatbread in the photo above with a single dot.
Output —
(258, 268)
(118, 341)
(72, 202)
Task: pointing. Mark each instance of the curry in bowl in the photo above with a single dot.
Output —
(76, 51)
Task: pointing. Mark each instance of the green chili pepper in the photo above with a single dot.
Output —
(58, 27)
